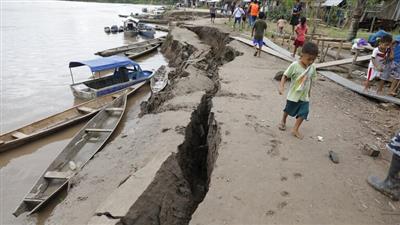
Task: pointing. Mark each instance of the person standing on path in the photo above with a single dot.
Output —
(212, 12)
(302, 74)
(391, 185)
(258, 31)
(301, 31)
(296, 11)
(237, 14)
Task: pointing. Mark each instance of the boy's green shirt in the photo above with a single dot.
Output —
(300, 86)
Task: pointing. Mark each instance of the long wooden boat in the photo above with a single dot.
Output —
(160, 80)
(140, 51)
(56, 122)
(83, 146)
(114, 51)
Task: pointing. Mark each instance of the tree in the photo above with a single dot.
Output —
(360, 5)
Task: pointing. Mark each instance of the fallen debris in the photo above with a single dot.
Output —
(334, 157)
(371, 150)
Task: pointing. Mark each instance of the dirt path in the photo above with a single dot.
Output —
(265, 176)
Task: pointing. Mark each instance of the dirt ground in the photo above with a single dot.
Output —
(259, 175)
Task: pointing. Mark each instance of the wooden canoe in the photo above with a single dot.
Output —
(125, 48)
(140, 51)
(83, 146)
(160, 80)
(58, 121)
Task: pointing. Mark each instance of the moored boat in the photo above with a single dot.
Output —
(146, 30)
(83, 146)
(121, 29)
(130, 27)
(114, 51)
(114, 29)
(56, 122)
(107, 29)
(126, 73)
(140, 51)
(160, 80)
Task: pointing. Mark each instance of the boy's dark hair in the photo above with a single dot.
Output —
(387, 38)
(310, 49)
(261, 15)
(303, 20)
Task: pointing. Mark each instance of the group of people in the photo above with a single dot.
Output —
(385, 65)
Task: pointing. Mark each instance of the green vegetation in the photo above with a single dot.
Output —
(149, 2)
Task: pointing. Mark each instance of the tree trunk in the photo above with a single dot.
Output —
(357, 13)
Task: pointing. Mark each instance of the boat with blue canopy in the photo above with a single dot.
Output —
(126, 73)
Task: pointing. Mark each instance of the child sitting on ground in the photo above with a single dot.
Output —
(281, 25)
(258, 31)
(379, 65)
(301, 73)
(301, 31)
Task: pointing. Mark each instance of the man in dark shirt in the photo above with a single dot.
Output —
(259, 28)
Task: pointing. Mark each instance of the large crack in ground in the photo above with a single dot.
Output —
(183, 180)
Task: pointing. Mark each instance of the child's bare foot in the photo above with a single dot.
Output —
(392, 94)
(297, 134)
(282, 127)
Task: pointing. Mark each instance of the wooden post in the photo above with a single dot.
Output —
(315, 24)
(322, 50)
(372, 24)
(326, 52)
(339, 50)
(349, 75)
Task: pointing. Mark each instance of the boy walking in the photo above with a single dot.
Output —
(259, 28)
(302, 73)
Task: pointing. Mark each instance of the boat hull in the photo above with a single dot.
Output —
(58, 121)
(90, 93)
(83, 146)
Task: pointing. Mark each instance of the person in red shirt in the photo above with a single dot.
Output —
(301, 31)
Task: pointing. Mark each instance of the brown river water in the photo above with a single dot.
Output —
(38, 39)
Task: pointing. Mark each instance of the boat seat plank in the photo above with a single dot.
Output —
(33, 200)
(114, 109)
(85, 109)
(98, 130)
(18, 135)
(58, 175)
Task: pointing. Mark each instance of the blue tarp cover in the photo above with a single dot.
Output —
(104, 63)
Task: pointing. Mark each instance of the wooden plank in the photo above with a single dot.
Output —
(18, 135)
(342, 61)
(98, 130)
(58, 174)
(114, 109)
(265, 49)
(331, 39)
(358, 88)
(2, 142)
(85, 109)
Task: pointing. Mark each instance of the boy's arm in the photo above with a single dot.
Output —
(309, 91)
(282, 84)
